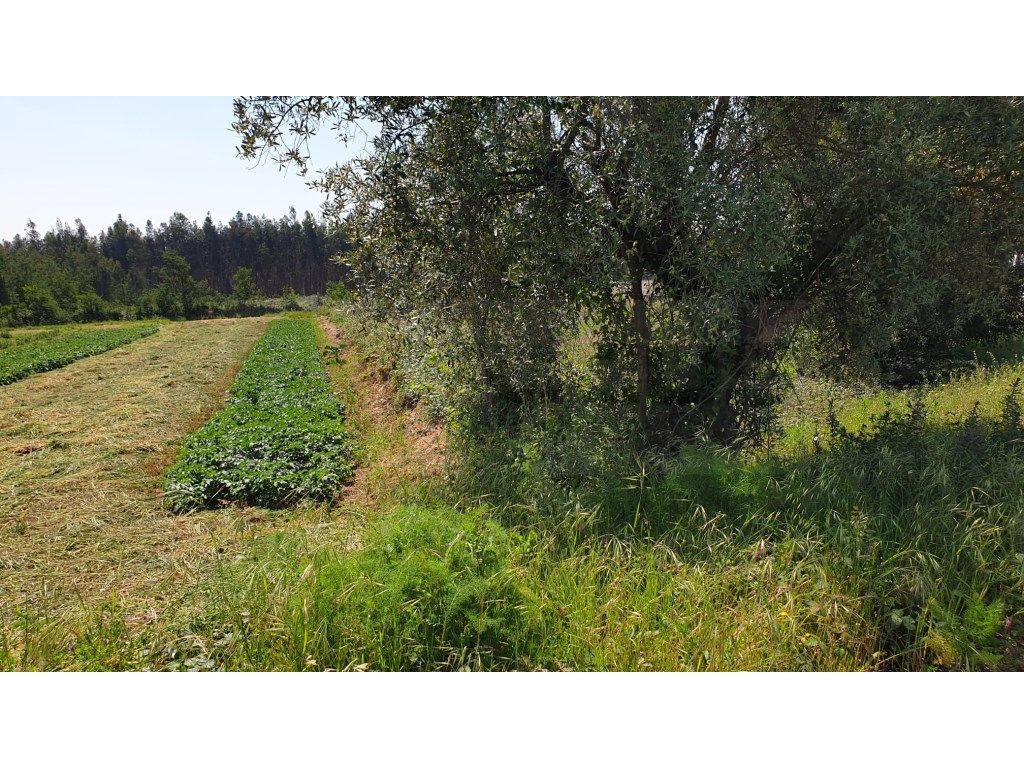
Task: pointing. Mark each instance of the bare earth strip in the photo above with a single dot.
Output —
(82, 450)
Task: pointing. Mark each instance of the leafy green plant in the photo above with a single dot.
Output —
(281, 437)
(338, 292)
(966, 638)
(44, 352)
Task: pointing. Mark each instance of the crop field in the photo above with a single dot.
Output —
(43, 351)
(281, 437)
(47, 350)
(82, 450)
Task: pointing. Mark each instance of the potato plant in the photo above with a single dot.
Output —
(49, 351)
(281, 437)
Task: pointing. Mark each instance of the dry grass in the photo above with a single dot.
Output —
(81, 452)
(400, 448)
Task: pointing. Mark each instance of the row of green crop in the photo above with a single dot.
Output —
(46, 351)
(280, 438)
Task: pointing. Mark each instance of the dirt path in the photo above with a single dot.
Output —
(81, 452)
(399, 447)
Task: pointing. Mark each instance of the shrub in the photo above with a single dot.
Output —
(41, 308)
(338, 292)
(90, 307)
(291, 300)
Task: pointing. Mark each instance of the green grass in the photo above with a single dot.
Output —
(43, 351)
(281, 438)
(898, 545)
(984, 382)
(9, 340)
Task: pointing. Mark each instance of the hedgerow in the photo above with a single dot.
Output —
(55, 351)
(281, 437)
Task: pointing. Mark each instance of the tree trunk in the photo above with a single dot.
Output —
(642, 339)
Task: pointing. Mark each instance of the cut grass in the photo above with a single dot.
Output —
(47, 350)
(81, 452)
(281, 438)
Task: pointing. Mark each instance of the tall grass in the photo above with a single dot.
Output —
(898, 548)
(897, 545)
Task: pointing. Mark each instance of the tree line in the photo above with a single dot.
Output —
(697, 242)
(177, 269)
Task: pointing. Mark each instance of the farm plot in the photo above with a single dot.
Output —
(82, 454)
(48, 350)
(281, 437)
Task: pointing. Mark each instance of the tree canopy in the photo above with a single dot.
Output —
(690, 237)
(67, 274)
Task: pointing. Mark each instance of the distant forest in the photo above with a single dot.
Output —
(179, 268)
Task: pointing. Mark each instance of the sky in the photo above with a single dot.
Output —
(91, 158)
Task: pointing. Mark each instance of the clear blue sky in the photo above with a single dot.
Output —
(93, 158)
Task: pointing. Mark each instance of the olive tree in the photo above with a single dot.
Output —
(690, 236)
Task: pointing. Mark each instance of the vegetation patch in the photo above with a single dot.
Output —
(45, 351)
(81, 512)
(281, 437)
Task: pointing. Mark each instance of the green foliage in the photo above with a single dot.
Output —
(44, 352)
(914, 518)
(68, 276)
(9, 340)
(243, 289)
(281, 437)
(90, 308)
(291, 300)
(872, 554)
(432, 589)
(339, 292)
(967, 639)
(690, 237)
(180, 294)
(41, 307)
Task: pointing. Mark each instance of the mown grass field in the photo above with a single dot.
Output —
(901, 549)
(82, 449)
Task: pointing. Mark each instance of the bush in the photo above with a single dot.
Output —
(90, 307)
(40, 307)
(338, 292)
(291, 300)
